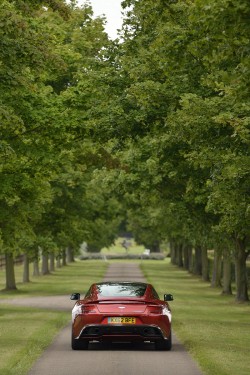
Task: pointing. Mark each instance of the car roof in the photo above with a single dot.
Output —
(121, 283)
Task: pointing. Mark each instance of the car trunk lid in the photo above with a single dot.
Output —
(121, 307)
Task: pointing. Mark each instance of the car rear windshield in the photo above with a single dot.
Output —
(121, 290)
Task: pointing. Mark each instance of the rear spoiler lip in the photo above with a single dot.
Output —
(124, 301)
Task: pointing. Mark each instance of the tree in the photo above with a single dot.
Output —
(25, 107)
(34, 125)
(182, 65)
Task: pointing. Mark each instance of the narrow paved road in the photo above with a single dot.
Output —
(112, 359)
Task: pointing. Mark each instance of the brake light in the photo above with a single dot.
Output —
(153, 309)
(166, 311)
(88, 309)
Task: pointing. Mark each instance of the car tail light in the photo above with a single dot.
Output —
(154, 309)
(88, 309)
(83, 309)
(167, 312)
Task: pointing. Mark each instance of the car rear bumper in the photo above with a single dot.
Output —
(124, 332)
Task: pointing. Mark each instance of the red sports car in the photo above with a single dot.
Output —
(121, 311)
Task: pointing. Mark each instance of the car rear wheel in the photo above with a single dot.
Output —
(79, 344)
(164, 344)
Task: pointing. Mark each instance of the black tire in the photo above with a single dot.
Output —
(79, 344)
(164, 344)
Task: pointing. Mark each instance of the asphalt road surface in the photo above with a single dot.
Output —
(110, 359)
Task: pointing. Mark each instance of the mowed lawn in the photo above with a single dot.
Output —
(25, 332)
(213, 328)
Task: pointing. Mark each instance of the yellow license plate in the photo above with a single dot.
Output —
(121, 320)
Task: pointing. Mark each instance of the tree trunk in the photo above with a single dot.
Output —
(58, 261)
(51, 262)
(64, 263)
(216, 277)
(70, 255)
(226, 273)
(155, 247)
(186, 256)
(45, 264)
(26, 269)
(205, 265)
(36, 271)
(176, 253)
(180, 256)
(190, 259)
(172, 252)
(197, 261)
(10, 272)
(241, 271)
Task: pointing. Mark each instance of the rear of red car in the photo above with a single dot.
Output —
(121, 318)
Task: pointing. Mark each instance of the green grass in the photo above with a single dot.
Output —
(76, 276)
(212, 327)
(26, 332)
(24, 335)
(117, 248)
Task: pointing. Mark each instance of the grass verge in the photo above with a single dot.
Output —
(213, 328)
(26, 332)
(75, 276)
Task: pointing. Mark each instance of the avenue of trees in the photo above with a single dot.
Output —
(150, 131)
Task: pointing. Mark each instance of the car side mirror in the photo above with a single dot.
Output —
(75, 296)
(168, 297)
